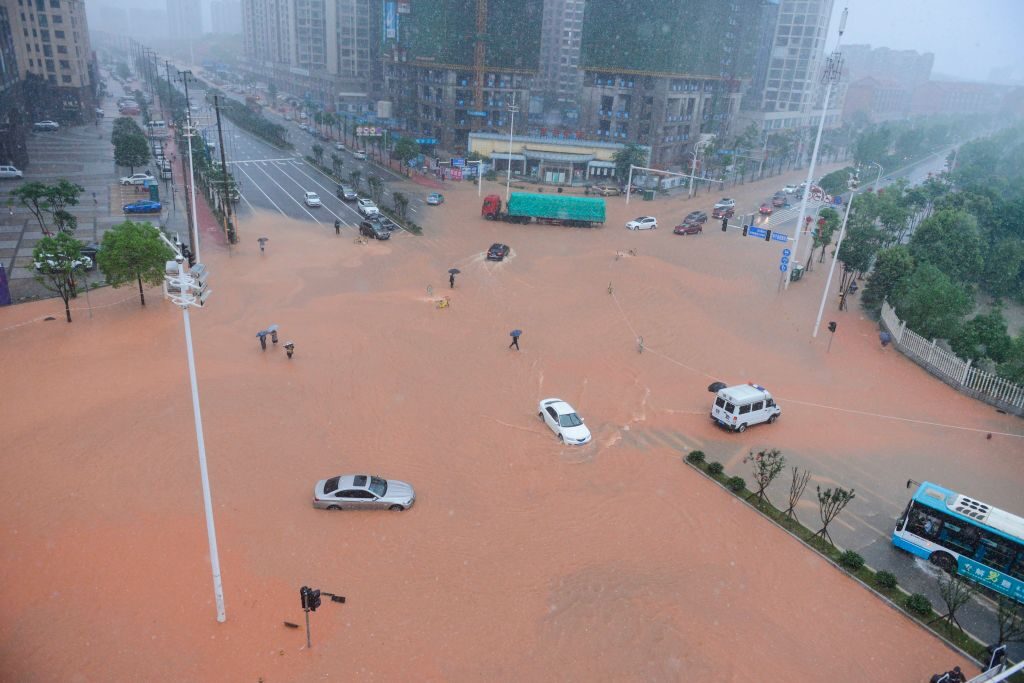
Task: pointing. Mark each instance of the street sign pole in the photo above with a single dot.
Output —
(309, 644)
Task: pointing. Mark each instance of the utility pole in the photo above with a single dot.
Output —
(229, 226)
(194, 228)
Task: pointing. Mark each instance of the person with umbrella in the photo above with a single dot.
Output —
(263, 242)
(452, 272)
(515, 338)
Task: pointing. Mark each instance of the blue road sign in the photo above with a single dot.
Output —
(785, 260)
(426, 141)
(476, 113)
(837, 200)
(780, 237)
(787, 252)
(756, 232)
(458, 162)
(783, 267)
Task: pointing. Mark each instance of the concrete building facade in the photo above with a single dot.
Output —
(560, 78)
(226, 17)
(184, 20)
(53, 56)
(909, 67)
(561, 162)
(13, 123)
(877, 100)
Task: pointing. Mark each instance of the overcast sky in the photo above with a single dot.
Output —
(968, 37)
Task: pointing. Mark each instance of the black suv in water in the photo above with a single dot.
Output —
(374, 230)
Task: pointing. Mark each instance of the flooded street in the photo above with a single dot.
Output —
(522, 559)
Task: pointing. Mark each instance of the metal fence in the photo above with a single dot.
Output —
(951, 369)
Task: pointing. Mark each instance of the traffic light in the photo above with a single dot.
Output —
(745, 229)
(314, 599)
(832, 326)
(187, 253)
(768, 235)
(725, 224)
(304, 596)
(200, 287)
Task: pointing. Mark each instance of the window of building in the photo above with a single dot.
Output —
(42, 20)
(66, 79)
(47, 51)
(65, 64)
(58, 19)
(59, 35)
(55, 4)
(49, 65)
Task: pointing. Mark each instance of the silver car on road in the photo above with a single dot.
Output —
(362, 492)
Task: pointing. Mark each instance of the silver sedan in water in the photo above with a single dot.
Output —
(362, 492)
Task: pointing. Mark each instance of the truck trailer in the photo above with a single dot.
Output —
(552, 209)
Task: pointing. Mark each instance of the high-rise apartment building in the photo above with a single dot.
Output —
(663, 73)
(447, 77)
(908, 67)
(788, 92)
(323, 50)
(560, 78)
(184, 20)
(13, 122)
(226, 17)
(54, 56)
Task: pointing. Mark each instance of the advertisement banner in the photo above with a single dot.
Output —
(390, 20)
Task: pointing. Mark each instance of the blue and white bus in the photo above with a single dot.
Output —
(983, 543)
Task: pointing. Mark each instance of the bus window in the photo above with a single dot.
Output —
(958, 536)
(924, 524)
(994, 551)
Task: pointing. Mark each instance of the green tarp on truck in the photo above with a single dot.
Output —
(556, 206)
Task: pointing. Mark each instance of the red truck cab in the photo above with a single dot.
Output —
(491, 208)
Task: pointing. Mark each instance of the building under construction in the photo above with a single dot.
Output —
(453, 67)
(663, 73)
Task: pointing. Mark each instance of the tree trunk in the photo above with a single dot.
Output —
(67, 308)
(142, 295)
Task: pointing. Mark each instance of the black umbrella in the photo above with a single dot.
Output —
(515, 333)
(715, 387)
(454, 271)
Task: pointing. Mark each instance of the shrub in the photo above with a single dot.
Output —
(886, 579)
(918, 604)
(695, 457)
(851, 560)
(735, 484)
(715, 468)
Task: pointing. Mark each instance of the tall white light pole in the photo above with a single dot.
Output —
(512, 109)
(192, 291)
(832, 267)
(833, 70)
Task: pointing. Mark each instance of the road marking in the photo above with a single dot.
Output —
(257, 186)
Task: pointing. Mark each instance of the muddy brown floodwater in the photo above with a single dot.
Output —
(522, 559)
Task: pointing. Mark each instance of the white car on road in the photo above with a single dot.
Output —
(725, 203)
(643, 223)
(338, 146)
(367, 207)
(312, 199)
(790, 189)
(137, 179)
(359, 154)
(563, 421)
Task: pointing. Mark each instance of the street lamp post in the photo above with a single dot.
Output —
(512, 109)
(879, 176)
(833, 71)
(832, 267)
(192, 291)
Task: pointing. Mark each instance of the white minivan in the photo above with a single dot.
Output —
(743, 405)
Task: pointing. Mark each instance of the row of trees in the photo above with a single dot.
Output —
(933, 249)
(130, 252)
(49, 203)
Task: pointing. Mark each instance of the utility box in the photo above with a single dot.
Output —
(648, 195)
(796, 273)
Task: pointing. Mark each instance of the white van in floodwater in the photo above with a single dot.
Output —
(743, 405)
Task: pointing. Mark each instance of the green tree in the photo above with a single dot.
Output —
(134, 252)
(872, 145)
(836, 181)
(376, 188)
(34, 196)
(336, 164)
(910, 143)
(123, 72)
(893, 265)
(401, 203)
(131, 151)
(931, 303)
(950, 241)
(354, 178)
(318, 153)
(1013, 367)
(630, 155)
(1004, 269)
(983, 336)
(57, 260)
(272, 91)
(405, 149)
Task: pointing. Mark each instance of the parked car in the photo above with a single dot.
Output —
(603, 190)
(497, 252)
(347, 192)
(338, 146)
(142, 206)
(435, 198)
(137, 179)
(790, 189)
(362, 492)
(312, 199)
(562, 419)
(46, 125)
(366, 207)
(359, 154)
(766, 209)
(643, 223)
(7, 172)
(723, 212)
(373, 229)
(726, 203)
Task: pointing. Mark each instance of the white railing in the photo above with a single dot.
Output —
(951, 369)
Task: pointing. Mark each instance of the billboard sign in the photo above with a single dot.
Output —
(391, 20)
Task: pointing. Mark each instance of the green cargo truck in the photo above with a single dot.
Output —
(552, 209)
